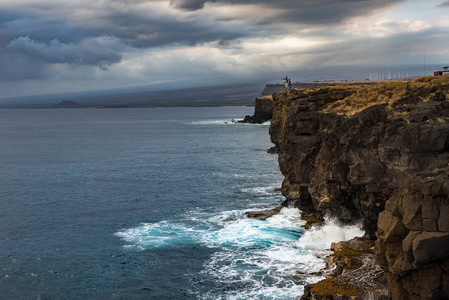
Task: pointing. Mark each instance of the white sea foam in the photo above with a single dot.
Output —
(226, 122)
(215, 122)
(267, 123)
(270, 259)
(156, 235)
(247, 232)
(322, 237)
(263, 256)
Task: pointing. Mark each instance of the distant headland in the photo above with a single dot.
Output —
(67, 104)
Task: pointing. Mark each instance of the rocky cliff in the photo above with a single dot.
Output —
(378, 155)
(263, 111)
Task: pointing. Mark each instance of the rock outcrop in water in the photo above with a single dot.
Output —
(263, 111)
(378, 155)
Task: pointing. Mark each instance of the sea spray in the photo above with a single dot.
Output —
(274, 258)
(321, 237)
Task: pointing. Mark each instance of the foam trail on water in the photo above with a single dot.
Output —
(226, 122)
(260, 191)
(215, 122)
(156, 235)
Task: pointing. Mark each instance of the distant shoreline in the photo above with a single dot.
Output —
(193, 105)
(238, 96)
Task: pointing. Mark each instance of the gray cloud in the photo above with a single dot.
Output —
(39, 27)
(188, 4)
(48, 40)
(305, 12)
(153, 30)
(148, 32)
(57, 52)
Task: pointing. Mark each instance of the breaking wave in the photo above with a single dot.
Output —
(253, 259)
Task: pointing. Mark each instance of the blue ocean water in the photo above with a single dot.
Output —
(147, 204)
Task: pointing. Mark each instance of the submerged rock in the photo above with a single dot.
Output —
(263, 214)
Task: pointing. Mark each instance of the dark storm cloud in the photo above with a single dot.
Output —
(140, 30)
(55, 39)
(37, 26)
(147, 31)
(187, 4)
(444, 4)
(143, 32)
(48, 34)
(130, 27)
(306, 11)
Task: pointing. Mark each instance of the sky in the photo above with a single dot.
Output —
(52, 46)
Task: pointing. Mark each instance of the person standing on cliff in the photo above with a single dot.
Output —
(286, 82)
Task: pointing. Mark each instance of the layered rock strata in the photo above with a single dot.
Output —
(378, 155)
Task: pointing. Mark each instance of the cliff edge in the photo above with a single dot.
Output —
(379, 155)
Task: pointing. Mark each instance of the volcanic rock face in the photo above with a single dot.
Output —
(263, 111)
(379, 155)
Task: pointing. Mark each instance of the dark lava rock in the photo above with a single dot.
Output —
(263, 214)
(263, 111)
(377, 155)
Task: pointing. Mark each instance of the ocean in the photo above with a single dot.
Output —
(148, 203)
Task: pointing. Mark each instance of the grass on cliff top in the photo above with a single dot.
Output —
(388, 93)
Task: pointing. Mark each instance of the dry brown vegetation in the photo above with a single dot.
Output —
(334, 287)
(388, 93)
